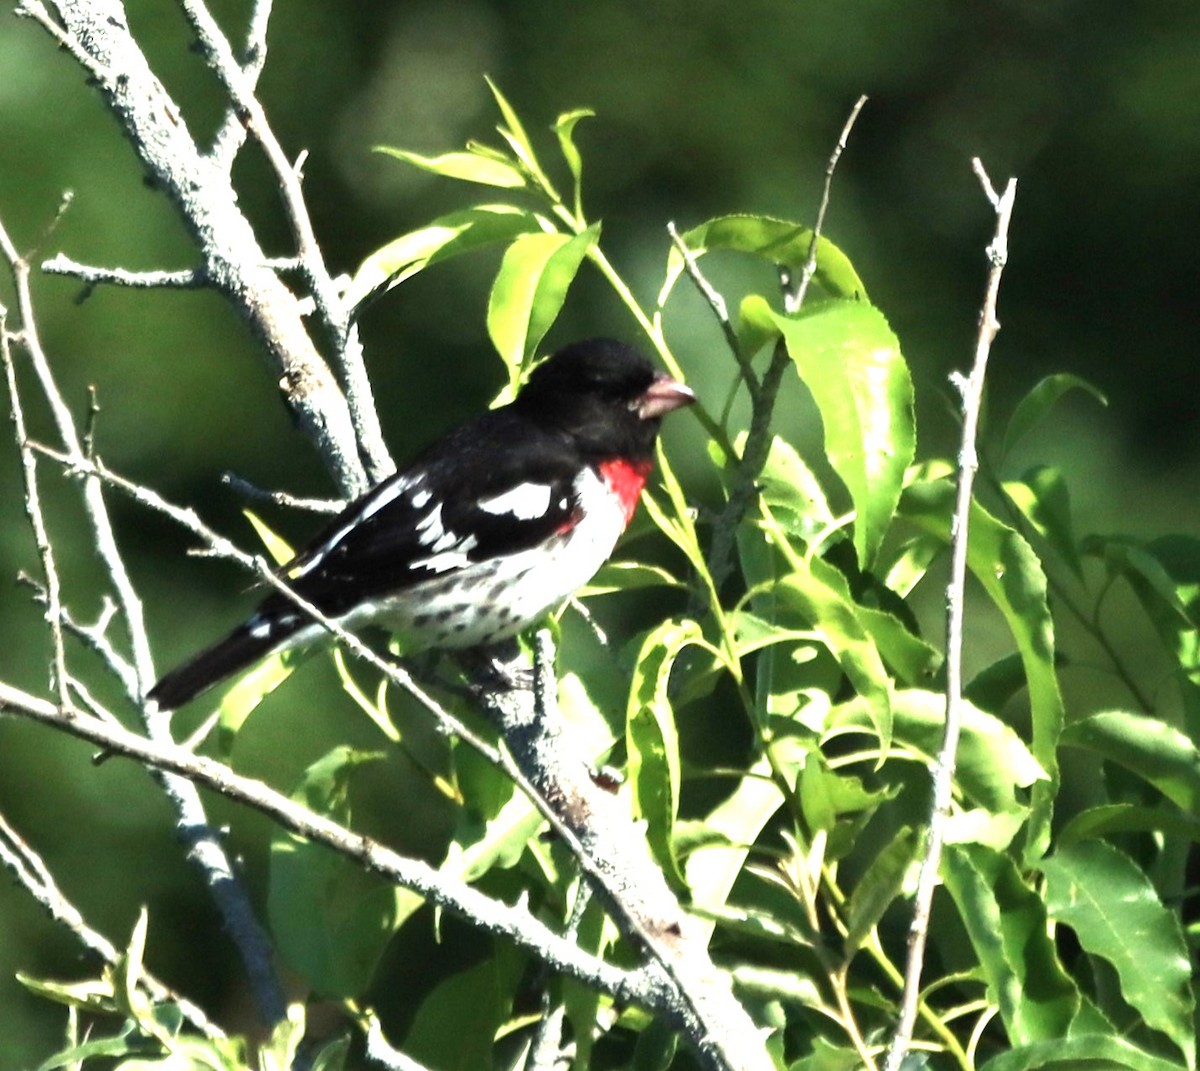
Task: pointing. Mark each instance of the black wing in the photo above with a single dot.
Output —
(495, 486)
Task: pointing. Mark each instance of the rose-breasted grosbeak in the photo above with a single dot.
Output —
(484, 532)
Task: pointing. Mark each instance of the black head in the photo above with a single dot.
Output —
(604, 395)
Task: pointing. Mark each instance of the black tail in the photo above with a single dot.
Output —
(244, 646)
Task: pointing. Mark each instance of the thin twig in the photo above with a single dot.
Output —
(232, 135)
(281, 498)
(720, 310)
(971, 388)
(32, 874)
(37, 519)
(794, 300)
(144, 280)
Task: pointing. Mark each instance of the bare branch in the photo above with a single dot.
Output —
(203, 844)
(613, 855)
(943, 771)
(717, 303)
(98, 36)
(37, 520)
(282, 498)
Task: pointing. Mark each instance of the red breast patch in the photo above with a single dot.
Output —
(626, 480)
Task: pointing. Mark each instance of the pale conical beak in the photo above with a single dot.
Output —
(662, 396)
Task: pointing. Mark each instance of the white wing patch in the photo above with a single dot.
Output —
(525, 502)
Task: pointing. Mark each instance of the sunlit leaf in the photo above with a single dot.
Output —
(444, 238)
(776, 240)
(822, 596)
(652, 739)
(465, 166)
(1112, 906)
(1006, 922)
(1096, 1052)
(529, 292)
(879, 886)
(850, 361)
(993, 761)
(564, 128)
(1041, 496)
(1146, 745)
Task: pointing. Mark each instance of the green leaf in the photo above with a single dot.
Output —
(464, 166)
(1033, 408)
(564, 128)
(1011, 575)
(1006, 922)
(1041, 496)
(1155, 751)
(821, 595)
(993, 761)
(912, 659)
(850, 361)
(1095, 1052)
(529, 292)
(652, 740)
(791, 490)
(330, 919)
(456, 1024)
(756, 324)
(1165, 576)
(1111, 818)
(628, 576)
(776, 240)
(1116, 914)
(513, 131)
(879, 886)
(731, 828)
(248, 692)
(446, 237)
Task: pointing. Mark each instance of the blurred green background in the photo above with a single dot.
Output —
(703, 108)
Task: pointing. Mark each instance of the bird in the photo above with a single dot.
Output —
(492, 526)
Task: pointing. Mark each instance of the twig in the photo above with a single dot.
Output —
(644, 986)
(145, 280)
(762, 402)
(232, 135)
(794, 300)
(37, 520)
(720, 310)
(381, 1053)
(971, 388)
(32, 875)
(281, 498)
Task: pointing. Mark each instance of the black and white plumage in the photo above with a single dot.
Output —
(493, 525)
